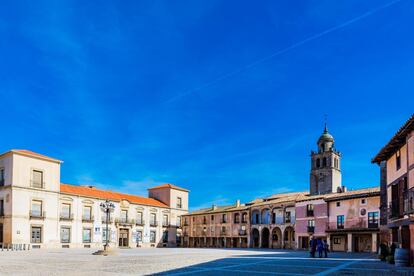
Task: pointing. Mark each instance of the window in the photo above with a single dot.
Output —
(309, 210)
(179, 221)
(36, 209)
(324, 162)
(398, 160)
(224, 218)
(65, 212)
(65, 234)
(87, 213)
(338, 204)
(311, 226)
(165, 220)
(37, 179)
(318, 163)
(153, 219)
(340, 221)
(1, 207)
(139, 236)
(165, 237)
(363, 201)
(237, 218)
(1, 176)
(124, 216)
(36, 234)
(212, 217)
(244, 217)
(139, 218)
(372, 219)
(287, 217)
(152, 236)
(86, 235)
(337, 240)
(179, 203)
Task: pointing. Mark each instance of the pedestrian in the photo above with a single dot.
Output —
(325, 248)
(311, 248)
(320, 248)
(314, 244)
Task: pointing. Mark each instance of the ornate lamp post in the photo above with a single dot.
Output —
(107, 207)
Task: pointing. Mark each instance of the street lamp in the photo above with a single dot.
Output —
(107, 207)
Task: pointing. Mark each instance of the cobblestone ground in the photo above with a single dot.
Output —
(185, 261)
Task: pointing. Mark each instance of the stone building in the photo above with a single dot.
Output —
(396, 160)
(37, 209)
(224, 226)
(353, 221)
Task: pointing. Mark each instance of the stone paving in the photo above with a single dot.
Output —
(191, 261)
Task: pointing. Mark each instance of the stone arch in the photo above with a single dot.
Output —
(255, 238)
(289, 237)
(265, 216)
(256, 216)
(265, 237)
(277, 238)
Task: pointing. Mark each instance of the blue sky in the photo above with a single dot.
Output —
(225, 98)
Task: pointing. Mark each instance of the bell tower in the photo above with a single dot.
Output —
(325, 176)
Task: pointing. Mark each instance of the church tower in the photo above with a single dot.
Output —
(325, 176)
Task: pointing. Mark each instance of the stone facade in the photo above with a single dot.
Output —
(37, 209)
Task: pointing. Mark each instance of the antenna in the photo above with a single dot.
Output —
(326, 122)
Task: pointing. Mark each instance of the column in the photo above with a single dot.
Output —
(374, 243)
(349, 242)
(282, 237)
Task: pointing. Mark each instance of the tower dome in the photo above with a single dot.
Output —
(326, 136)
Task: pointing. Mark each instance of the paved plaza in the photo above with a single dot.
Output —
(186, 261)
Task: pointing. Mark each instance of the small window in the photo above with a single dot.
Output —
(36, 208)
(152, 236)
(212, 217)
(65, 213)
(37, 179)
(363, 201)
(318, 163)
(165, 220)
(340, 221)
(224, 218)
(179, 203)
(338, 204)
(153, 219)
(65, 235)
(1, 176)
(87, 213)
(324, 162)
(86, 235)
(398, 160)
(139, 218)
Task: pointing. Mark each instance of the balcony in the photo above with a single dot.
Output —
(165, 224)
(409, 201)
(309, 213)
(394, 209)
(311, 229)
(66, 217)
(37, 184)
(153, 223)
(124, 221)
(360, 224)
(140, 222)
(37, 215)
(88, 219)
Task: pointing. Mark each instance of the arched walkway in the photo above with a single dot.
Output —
(255, 217)
(255, 238)
(265, 218)
(276, 238)
(289, 237)
(265, 237)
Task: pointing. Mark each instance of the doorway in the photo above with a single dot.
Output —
(123, 238)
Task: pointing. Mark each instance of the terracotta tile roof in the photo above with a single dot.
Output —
(354, 194)
(219, 209)
(167, 185)
(397, 141)
(283, 198)
(102, 194)
(32, 154)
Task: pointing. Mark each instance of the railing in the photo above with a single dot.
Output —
(88, 219)
(309, 213)
(37, 215)
(110, 220)
(165, 224)
(223, 220)
(311, 229)
(153, 223)
(244, 221)
(361, 223)
(124, 221)
(66, 217)
(140, 222)
(409, 201)
(288, 219)
(394, 209)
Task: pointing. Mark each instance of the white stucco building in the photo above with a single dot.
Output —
(37, 209)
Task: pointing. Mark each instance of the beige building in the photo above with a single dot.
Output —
(353, 221)
(37, 209)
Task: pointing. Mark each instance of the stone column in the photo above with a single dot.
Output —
(374, 243)
(349, 242)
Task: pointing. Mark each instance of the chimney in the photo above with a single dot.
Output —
(214, 207)
(238, 203)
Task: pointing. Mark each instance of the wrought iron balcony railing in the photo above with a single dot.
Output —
(88, 219)
(37, 214)
(140, 222)
(124, 221)
(311, 229)
(67, 217)
(153, 223)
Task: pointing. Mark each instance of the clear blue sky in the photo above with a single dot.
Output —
(225, 98)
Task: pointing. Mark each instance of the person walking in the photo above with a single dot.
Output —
(325, 248)
(312, 247)
(320, 248)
